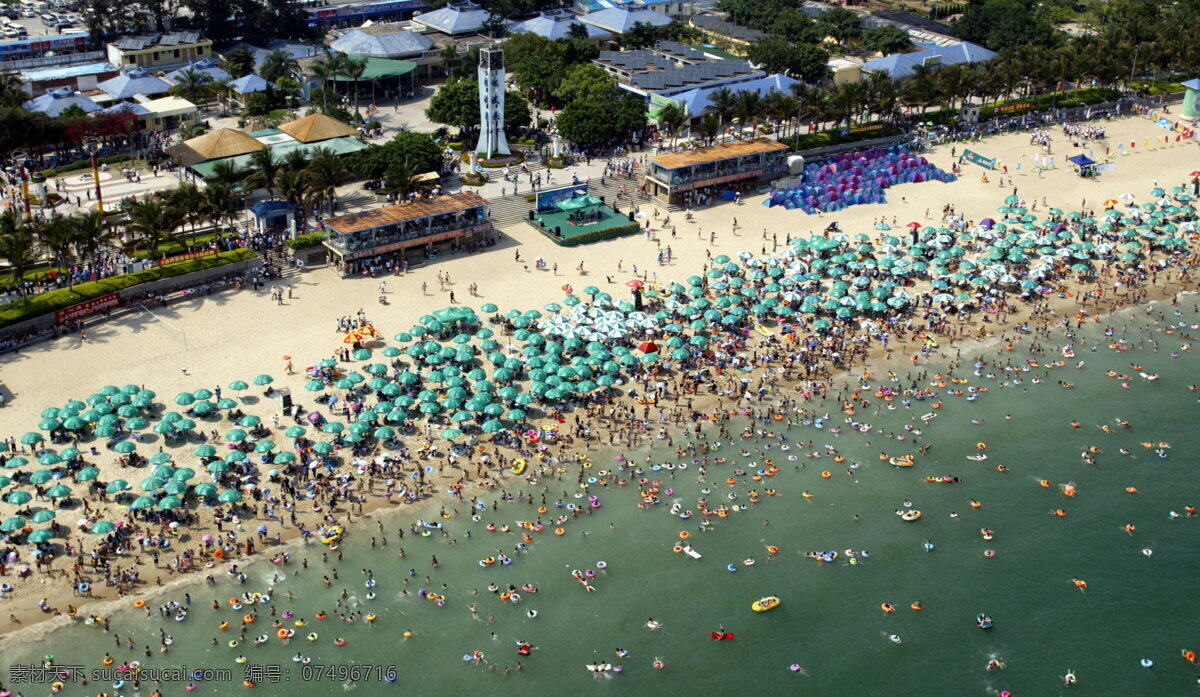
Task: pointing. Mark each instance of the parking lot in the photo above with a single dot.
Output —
(33, 19)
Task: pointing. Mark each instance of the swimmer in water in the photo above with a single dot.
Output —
(653, 624)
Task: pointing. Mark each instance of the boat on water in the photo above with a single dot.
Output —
(766, 603)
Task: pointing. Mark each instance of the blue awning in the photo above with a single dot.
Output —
(263, 209)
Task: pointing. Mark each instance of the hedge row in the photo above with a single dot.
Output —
(1063, 100)
(312, 239)
(594, 236)
(45, 303)
(824, 139)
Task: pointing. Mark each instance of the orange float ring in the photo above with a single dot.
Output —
(887, 607)
(248, 618)
(234, 601)
(281, 634)
(139, 603)
(559, 531)
(917, 606)
(731, 480)
(772, 549)
(677, 549)
(684, 535)
(1189, 656)
(542, 509)
(219, 553)
(779, 417)
(826, 475)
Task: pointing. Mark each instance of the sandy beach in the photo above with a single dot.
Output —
(211, 341)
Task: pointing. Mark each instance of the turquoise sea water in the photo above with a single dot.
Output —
(830, 623)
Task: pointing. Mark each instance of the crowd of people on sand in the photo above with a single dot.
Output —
(740, 365)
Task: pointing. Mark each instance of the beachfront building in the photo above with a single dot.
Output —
(159, 50)
(726, 35)
(359, 240)
(80, 76)
(54, 102)
(355, 13)
(383, 41)
(688, 176)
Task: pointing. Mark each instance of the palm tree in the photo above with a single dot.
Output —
(747, 107)
(324, 174)
(291, 186)
(672, 118)
(323, 71)
(11, 93)
(263, 168)
(449, 56)
(354, 69)
(294, 160)
(152, 222)
(192, 85)
(57, 235)
(400, 179)
(17, 244)
(221, 89)
(708, 128)
(221, 202)
(188, 201)
(225, 172)
(722, 102)
(92, 232)
(277, 64)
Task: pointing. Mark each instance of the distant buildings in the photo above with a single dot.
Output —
(556, 24)
(623, 15)
(901, 65)
(455, 18)
(159, 50)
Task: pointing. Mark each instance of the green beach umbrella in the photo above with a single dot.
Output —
(19, 498)
(58, 491)
(184, 398)
(236, 435)
(116, 486)
(205, 450)
(168, 503)
(322, 448)
(249, 421)
(264, 446)
(40, 477)
(125, 447)
(12, 524)
(175, 488)
(87, 474)
(142, 502)
(294, 431)
(39, 536)
(283, 458)
(217, 467)
(263, 379)
(43, 516)
(241, 384)
(234, 456)
(451, 433)
(32, 438)
(230, 496)
(205, 489)
(103, 527)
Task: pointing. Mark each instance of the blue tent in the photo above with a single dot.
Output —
(1081, 160)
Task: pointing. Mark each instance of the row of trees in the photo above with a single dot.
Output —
(220, 20)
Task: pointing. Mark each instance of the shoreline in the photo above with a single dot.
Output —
(878, 361)
(375, 505)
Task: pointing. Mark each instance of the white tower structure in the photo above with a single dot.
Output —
(491, 103)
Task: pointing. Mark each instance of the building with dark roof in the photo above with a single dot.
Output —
(159, 50)
(671, 69)
(726, 35)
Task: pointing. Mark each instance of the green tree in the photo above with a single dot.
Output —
(221, 203)
(602, 122)
(577, 30)
(840, 23)
(57, 235)
(641, 35)
(238, 62)
(722, 102)
(324, 174)
(747, 107)
(277, 64)
(192, 85)
(263, 167)
(1003, 24)
(187, 200)
(92, 233)
(400, 179)
(708, 128)
(152, 222)
(17, 244)
(456, 104)
(11, 94)
(671, 118)
(353, 70)
(418, 149)
(887, 40)
(587, 81)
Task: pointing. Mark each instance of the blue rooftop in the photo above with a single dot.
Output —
(697, 100)
(248, 84)
(62, 72)
(556, 24)
(207, 66)
(622, 16)
(56, 101)
(133, 81)
(455, 18)
(900, 65)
